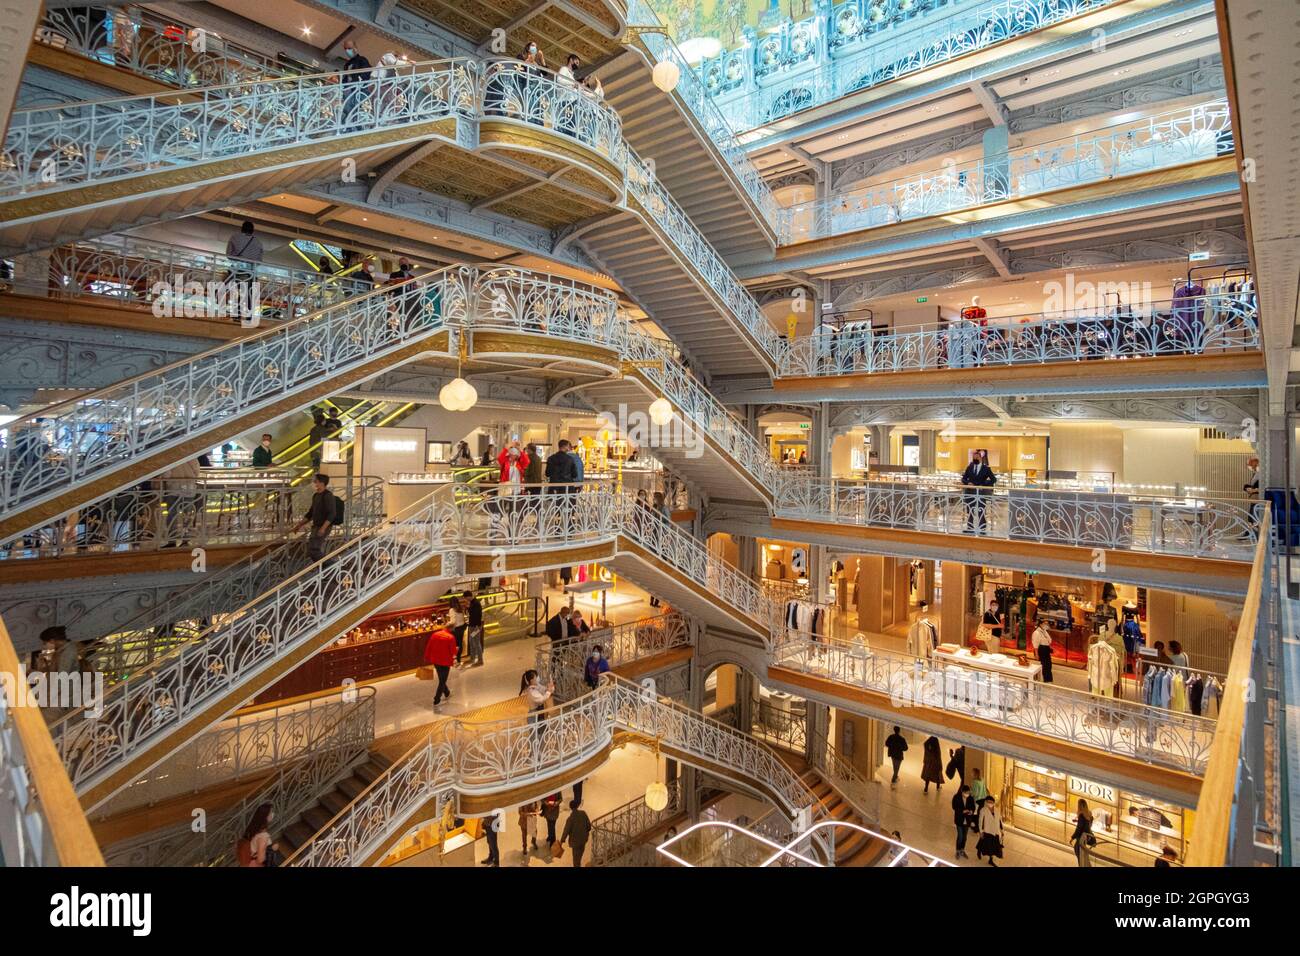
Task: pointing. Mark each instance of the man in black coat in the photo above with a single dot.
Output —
(963, 817)
(977, 477)
(561, 469)
(558, 627)
(356, 81)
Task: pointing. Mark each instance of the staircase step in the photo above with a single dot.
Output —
(316, 817)
(351, 788)
(298, 832)
(334, 802)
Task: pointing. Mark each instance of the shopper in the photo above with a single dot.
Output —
(538, 698)
(595, 666)
(567, 81)
(255, 847)
(577, 625)
(561, 467)
(456, 621)
(1162, 656)
(978, 789)
(991, 625)
(1176, 655)
(262, 457)
(321, 515)
(513, 462)
(244, 250)
(462, 458)
(440, 651)
(1082, 839)
(558, 627)
(183, 500)
(956, 764)
(316, 437)
(1251, 488)
(1042, 644)
(535, 470)
(990, 826)
(978, 477)
(576, 831)
(356, 82)
(895, 746)
(551, 814)
(489, 456)
(932, 764)
(491, 829)
(57, 659)
(963, 817)
(528, 814)
(1167, 858)
(474, 632)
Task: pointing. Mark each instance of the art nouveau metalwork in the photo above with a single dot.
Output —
(171, 513)
(855, 45)
(563, 661)
(169, 51)
(175, 280)
(1167, 139)
(1155, 736)
(473, 758)
(1198, 526)
(252, 745)
(77, 441)
(1200, 325)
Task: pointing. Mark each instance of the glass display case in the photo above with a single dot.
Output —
(1131, 830)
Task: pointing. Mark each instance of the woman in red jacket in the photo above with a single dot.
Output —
(441, 653)
(513, 462)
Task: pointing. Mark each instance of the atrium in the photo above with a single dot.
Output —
(649, 434)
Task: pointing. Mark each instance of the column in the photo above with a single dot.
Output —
(952, 615)
(819, 569)
(925, 437)
(1160, 617)
(871, 576)
(816, 731)
(996, 171)
(819, 441)
(32, 274)
(880, 443)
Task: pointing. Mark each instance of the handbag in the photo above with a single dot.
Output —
(985, 634)
(424, 672)
(557, 850)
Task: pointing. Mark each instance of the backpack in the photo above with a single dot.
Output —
(337, 520)
(244, 851)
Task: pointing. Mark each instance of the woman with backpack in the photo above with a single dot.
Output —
(255, 847)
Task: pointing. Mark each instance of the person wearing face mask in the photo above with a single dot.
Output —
(596, 665)
(255, 847)
(978, 478)
(532, 55)
(262, 457)
(355, 79)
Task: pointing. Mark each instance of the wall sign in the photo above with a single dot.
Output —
(1095, 791)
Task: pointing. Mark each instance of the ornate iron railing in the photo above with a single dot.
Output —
(178, 282)
(1168, 139)
(1196, 526)
(856, 45)
(170, 51)
(697, 98)
(74, 144)
(154, 701)
(252, 745)
(1200, 325)
(787, 730)
(1149, 734)
(484, 758)
(615, 833)
(538, 97)
(564, 662)
(78, 441)
(211, 512)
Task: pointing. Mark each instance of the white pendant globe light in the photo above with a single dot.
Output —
(656, 796)
(661, 411)
(665, 75)
(458, 395)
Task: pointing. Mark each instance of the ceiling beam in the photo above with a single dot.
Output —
(988, 101)
(389, 172)
(992, 250)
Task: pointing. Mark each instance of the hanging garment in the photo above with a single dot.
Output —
(1178, 697)
(1103, 669)
(1210, 698)
(1195, 687)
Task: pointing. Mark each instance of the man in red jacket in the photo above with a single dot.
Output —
(441, 653)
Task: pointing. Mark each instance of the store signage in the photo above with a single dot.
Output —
(394, 444)
(1097, 791)
(1198, 257)
(942, 454)
(1027, 456)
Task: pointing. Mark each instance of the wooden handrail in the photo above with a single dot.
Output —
(69, 830)
(1209, 845)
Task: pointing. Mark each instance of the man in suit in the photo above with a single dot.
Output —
(977, 477)
(559, 628)
(561, 469)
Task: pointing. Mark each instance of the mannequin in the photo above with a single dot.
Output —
(1103, 667)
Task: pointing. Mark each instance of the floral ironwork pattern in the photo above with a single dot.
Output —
(1146, 733)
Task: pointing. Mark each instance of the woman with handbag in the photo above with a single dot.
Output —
(551, 814)
(990, 824)
(255, 847)
(1082, 838)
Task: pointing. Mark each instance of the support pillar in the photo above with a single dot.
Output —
(32, 274)
(819, 441)
(996, 174)
(925, 440)
(817, 721)
(952, 615)
(880, 443)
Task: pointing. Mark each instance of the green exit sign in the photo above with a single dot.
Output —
(922, 298)
(805, 425)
